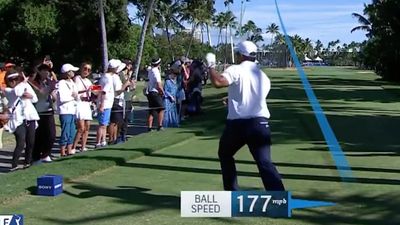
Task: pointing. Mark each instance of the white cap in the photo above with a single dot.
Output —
(114, 63)
(247, 48)
(121, 67)
(68, 67)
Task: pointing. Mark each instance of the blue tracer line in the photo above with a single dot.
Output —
(336, 151)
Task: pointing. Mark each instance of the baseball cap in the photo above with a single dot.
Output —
(114, 63)
(247, 48)
(68, 67)
(121, 67)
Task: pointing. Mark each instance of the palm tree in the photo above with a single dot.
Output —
(196, 12)
(103, 36)
(308, 48)
(365, 24)
(229, 20)
(318, 46)
(248, 28)
(239, 32)
(218, 21)
(273, 29)
(166, 14)
(150, 6)
(257, 37)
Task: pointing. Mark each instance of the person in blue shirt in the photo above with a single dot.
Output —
(171, 95)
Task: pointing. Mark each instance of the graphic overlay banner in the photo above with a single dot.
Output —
(278, 204)
(205, 204)
(15, 219)
(260, 204)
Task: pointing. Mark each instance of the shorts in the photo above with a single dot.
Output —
(84, 111)
(156, 103)
(104, 117)
(117, 113)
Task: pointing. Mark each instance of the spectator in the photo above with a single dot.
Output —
(4, 115)
(84, 111)
(4, 68)
(105, 101)
(22, 124)
(125, 76)
(170, 98)
(46, 132)
(2, 77)
(195, 88)
(155, 93)
(47, 61)
(67, 97)
(117, 111)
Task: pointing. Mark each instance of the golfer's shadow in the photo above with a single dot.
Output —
(126, 194)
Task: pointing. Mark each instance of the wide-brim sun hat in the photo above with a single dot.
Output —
(155, 61)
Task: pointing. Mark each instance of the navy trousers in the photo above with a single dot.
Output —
(256, 134)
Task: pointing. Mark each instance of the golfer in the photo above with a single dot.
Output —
(247, 121)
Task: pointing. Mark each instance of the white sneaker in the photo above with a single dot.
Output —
(73, 151)
(84, 149)
(104, 143)
(46, 159)
(98, 145)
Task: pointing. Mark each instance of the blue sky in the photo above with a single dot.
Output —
(326, 20)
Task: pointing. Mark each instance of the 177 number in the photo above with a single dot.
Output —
(254, 199)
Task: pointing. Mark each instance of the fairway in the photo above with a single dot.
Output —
(363, 113)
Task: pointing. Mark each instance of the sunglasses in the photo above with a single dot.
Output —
(87, 69)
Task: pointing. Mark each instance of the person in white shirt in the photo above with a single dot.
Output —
(67, 96)
(106, 101)
(84, 110)
(23, 116)
(3, 116)
(247, 121)
(155, 92)
(46, 131)
(118, 108)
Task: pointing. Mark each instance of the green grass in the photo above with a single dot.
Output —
(145, 190)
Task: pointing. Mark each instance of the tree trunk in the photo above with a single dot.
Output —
(202, 34)
(191, 40)
(150, 5)
(103, 36)
(219, 36)
(169, 42)
(209, 35)
(226, 44)
(232, 52)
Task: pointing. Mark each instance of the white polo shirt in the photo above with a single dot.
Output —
(66, 102)
(118, 86)
(247, 92)
(154, 77)
(107, 85)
